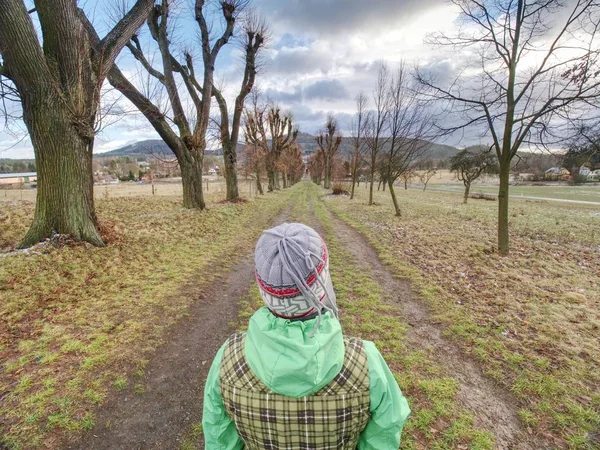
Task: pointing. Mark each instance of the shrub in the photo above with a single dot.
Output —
(480, 196)
(338, 189)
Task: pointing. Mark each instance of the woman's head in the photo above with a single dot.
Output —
(292, 271)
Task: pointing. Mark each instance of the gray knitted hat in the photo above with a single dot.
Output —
(292, 271)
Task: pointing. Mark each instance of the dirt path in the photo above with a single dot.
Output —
(494, 408)
(174, 379)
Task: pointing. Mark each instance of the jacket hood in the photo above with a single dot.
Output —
(287, 359)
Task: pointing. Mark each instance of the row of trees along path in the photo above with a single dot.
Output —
(59, 86)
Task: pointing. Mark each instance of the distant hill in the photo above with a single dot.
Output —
(434, 151)
(147, 148)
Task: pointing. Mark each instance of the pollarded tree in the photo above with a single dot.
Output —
(255, 34)
(329, 141)
(274, 131)
(178, 78)
(292, 167)
(471, 163)
(533, 63)
(316, 166)
(58, 75)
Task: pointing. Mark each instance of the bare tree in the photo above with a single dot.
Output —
(426, 175)
(470, 164)
(409, 125)
(188, 140)
(255, 32)
(329, 141)
(536, 62)
(271, 124)
(256, 149)
(358, 130)
(316, 166)
(58, 84)
(292, 166)
(376, 130)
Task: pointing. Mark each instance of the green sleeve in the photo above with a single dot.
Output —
(219, 430)
(389, 408)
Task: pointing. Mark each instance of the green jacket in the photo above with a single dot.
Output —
(284, 357)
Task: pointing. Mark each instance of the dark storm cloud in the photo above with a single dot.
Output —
(337, 16)
(298, 61)
(440, 71)
(278, 96)
(326, 90)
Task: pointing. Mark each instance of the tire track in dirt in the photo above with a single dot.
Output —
(174, 379)
(494, 409)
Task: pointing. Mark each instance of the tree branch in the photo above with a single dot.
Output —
(117, 38)
(156, 118)
(136, 51)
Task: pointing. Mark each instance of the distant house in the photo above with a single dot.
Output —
(594, 175)
(584, 171)
(214, 170)
(557, 173)
(524, 176)
(17, 178)
(105, 179)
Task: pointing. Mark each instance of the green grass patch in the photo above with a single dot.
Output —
(532, 319)
(73, 317)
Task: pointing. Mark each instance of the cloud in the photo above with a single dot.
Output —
(326, 90)
(341, 16)
(278, 96)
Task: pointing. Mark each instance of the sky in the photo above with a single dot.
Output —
(320, 55)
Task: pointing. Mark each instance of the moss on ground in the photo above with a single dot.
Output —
(532, 319)
(76, 320)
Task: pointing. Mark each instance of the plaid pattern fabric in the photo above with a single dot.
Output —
(332, 418)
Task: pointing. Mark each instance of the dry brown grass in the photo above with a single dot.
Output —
(533, 318)
(76, 319)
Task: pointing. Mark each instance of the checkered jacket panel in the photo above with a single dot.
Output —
(332, 418)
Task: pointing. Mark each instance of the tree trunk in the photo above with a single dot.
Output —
(353, 184)
(284, 178)
(271, 178)
(326, 183)
(394, 199)
(503, 208)
(406, 184)
(276, 179)
(383, 187)
(65, 189)
(371, 187)
(467, 190)
(191, 176)
(230, 172)
(259, 187)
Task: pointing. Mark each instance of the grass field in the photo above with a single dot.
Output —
(589, 192)
(532, 319)
(76, 320)
(131, 189)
